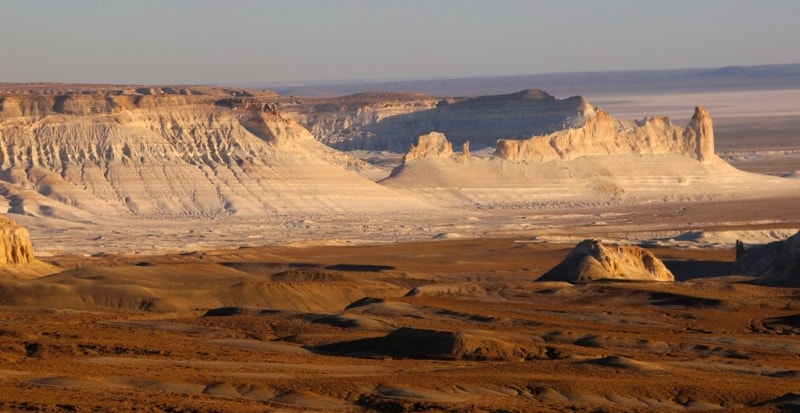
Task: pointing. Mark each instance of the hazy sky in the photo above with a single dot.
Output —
(239, 41)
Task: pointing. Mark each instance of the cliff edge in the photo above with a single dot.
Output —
(602, 135)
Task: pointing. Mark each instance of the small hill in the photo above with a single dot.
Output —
(591, 261)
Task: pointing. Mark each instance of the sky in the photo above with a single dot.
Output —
(307, 41)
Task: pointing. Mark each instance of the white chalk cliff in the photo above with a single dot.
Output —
(174, 153)
(604, 160)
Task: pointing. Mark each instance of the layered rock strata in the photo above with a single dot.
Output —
(124, 153)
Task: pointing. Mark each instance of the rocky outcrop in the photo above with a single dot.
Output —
(602, 135)
(591, 261)
(15, 244)
(432, 145)
(777, 261)
(393, 121)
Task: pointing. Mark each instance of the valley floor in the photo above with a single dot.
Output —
(450, 325)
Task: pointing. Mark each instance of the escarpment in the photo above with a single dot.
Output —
(603, 135)
(393, 121)
(121, 152)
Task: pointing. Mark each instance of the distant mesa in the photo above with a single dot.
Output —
(776, 262)
(591, 261)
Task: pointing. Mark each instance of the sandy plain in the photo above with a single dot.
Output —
(417, 313)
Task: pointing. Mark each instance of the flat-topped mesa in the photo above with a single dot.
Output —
(602, 135)
(15, 243)
(590, 261)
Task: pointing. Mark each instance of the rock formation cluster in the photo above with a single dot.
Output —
(603, 135)
(15, 243)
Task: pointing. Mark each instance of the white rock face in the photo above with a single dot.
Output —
(605, 160)
(593, 261)
(79, 156)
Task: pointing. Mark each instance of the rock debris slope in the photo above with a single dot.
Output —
(590, 261)
(605, 160)
(777, 261)
(171, 153)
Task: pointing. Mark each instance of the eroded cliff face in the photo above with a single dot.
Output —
(392, 122)
(603, 135)
(15, 243)
(352, 122)
(125, 153)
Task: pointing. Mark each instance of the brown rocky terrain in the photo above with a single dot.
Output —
(453, 325)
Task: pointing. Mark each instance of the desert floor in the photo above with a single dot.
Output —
(450, 325)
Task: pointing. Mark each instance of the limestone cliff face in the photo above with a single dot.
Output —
(394, 121)
(603, 135)
(351, 122)
(165, 154)
(15, 244)
(590, 261)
